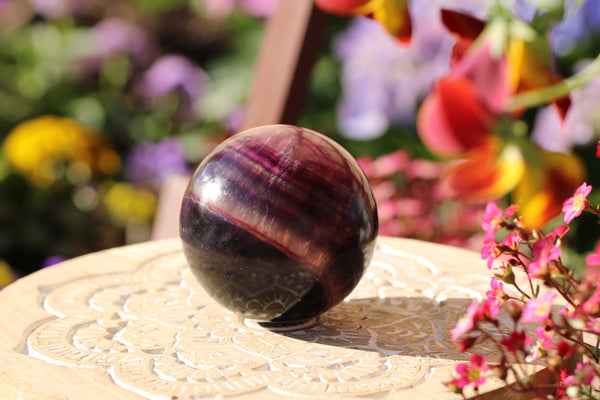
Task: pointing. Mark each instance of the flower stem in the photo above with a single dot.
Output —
(590, 208)
(546, 94)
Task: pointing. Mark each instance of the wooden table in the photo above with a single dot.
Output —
(132, 323)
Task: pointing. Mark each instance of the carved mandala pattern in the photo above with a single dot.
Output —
(157, 333)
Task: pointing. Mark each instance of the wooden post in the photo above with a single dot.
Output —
(289, 49)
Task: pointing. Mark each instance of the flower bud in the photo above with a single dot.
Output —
(508, 276)
(515, 310)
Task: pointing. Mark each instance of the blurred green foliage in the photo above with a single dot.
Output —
(55, 65)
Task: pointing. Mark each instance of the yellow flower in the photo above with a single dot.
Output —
(42, 148)
(394, 17)
(127, 204)
(7, 275)
(528, 67)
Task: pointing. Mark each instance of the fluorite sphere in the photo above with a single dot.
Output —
(278, 223)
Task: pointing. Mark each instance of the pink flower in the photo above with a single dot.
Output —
(220, 9)
(391, 164)
(545, 334)
(535, 353)
(592, 304)
(544, 251)
(538, 309)
(492, 219)
(583, 375)
(472, 373)
(512, 240)
(465, 324)
(568, 311)
(559, 232)
(573, 206)
(489, 251)
(593, 260)
(511, 211)
(495, 297)
(593, 324)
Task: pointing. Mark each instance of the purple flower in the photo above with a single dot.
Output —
(580, 125)
(153, 162)
(580, 23)
(217, 9)
(525, 10)
(114, 36)
(175, 74)
(51, 260)
(220, 9)
(258, 8)
(383, 81)
(59, 8)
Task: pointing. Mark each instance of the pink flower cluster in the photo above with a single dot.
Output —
(413, 203)
(554, 309)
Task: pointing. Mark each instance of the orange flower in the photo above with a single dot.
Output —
(393, 15)
(487, 172)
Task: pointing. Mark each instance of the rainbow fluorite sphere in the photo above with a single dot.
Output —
(278, 224)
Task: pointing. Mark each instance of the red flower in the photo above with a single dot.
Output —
(516, 341)
(467, 343)
(453, 119)
(529, 62)
(564, 349)
(463, 118)
(459, 117)
(393, 15)
(466, 27)
(345, 7)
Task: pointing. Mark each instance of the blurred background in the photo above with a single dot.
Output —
(101, 100)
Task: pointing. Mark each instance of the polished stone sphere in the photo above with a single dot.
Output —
(278, 224)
